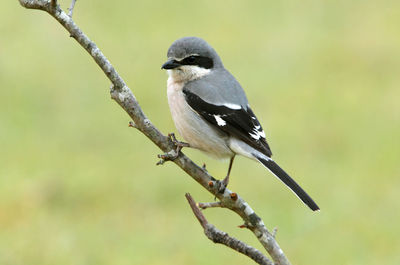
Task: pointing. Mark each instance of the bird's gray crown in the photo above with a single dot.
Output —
(188, 46)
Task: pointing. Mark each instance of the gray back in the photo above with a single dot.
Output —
(218, 88)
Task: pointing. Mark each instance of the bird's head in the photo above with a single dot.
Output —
(191, 58)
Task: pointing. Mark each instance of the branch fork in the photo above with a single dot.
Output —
(220, 237)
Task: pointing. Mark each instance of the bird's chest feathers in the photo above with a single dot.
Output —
(191, 126)
(178, 106)
(188, 123)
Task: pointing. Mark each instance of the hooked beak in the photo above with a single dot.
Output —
(170, 64)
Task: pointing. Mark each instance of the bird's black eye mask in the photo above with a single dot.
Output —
(201, 61)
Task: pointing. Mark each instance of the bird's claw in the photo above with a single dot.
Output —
(173, 154)
(176, 142)
(221, 185)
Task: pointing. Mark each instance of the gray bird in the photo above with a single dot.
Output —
(211, 112)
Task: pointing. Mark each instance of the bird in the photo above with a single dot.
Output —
(211, 111)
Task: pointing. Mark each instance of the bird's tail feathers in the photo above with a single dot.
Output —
(285, 178)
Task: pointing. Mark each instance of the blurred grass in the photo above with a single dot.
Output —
(77, 186)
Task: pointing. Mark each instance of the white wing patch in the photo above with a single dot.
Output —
(232, 106)
(219, 120)
(256, 134)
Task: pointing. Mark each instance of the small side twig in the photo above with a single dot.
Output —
(274, 231)
(71, 8)
(53, 3)
(168, 156)
(205, 205)
(220, 237)
(132, 124)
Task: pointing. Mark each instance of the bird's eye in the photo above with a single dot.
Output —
(191, 59)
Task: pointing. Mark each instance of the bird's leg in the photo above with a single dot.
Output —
(172, 155)
(179, 145)
(224, 183)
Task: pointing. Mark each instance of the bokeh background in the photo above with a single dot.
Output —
(77, 186)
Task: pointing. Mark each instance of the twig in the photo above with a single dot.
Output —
(132, 124)
(220, 237)
(274, 231)
(205, 205)
(71, 8)
(53, 3)
(199, 215)
(121, 93)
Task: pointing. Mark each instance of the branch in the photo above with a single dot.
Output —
(71, 8)
(121, 93)
(205, 205)
(220, 237)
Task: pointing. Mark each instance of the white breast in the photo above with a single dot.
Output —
(196, 131)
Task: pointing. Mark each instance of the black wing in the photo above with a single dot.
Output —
(238, 122)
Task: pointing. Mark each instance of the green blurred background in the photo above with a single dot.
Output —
(77, 186)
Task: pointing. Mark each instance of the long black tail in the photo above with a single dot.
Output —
(282, 175)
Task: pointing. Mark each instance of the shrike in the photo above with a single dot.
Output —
(211, 112)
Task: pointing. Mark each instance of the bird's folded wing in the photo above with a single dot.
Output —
(235, 120)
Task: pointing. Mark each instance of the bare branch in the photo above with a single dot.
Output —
(34, 4)
(205, 205)
(220, 237)
(199, 215)
(121, 93)
(71, 8)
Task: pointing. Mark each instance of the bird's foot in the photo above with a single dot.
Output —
(222, 184)
(177, 143)
(173, 154)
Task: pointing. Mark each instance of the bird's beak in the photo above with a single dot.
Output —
(170, 64)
